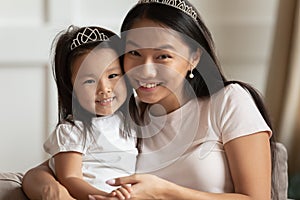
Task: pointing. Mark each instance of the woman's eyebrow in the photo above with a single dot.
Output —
(166, 46)
(130, 42)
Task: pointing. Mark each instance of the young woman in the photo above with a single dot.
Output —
(210, 138)
(203, 137)
(92, 140)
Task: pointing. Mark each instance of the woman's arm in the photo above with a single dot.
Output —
(40, 183)
(249, 159)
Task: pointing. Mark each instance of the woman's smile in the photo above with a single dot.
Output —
(149, 85)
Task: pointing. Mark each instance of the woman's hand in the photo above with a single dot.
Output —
(143, 186)
(55, 192)
(39, 183)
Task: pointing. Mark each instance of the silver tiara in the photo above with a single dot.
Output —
(179, 4)
(88, 35)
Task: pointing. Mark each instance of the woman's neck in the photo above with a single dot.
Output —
(163, 108)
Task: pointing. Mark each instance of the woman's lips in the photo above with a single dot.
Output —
(149, 85)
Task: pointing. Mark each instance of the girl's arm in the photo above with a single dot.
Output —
(249, 159)
(69, 173)
(40, 183)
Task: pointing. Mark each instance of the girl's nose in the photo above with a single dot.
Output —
(104, 88)
(104, 91)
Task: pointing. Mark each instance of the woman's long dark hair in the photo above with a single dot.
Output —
(208, 75)
(69, 108)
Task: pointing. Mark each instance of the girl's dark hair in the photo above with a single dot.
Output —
(69, 108)
(208, 77)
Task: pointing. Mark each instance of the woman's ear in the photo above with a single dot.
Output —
(195, 58)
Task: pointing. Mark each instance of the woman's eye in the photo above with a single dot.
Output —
(164, 56)
(112, 76)
(90, 81)
(134, 53)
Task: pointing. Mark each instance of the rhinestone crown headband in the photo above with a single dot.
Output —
(179, 4)
(88, 35)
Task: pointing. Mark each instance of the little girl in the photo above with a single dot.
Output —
(93, 140)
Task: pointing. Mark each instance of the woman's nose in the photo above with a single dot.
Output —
(148, 69)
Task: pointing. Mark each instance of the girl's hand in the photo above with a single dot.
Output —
(122, 192)
(143, 186)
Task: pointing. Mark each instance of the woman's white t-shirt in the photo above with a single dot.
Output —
(106, 153)
(186, 146)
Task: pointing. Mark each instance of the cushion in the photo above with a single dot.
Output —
(11, 186)
(280, 174)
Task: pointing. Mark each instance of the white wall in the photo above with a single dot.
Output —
(242, 30)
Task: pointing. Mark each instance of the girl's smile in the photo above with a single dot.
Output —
(105, 102)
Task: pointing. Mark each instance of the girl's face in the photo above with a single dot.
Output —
(98, 83)
(157, 61)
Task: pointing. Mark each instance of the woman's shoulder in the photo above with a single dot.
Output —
(232, 91)
(235, 89)
(231, 97)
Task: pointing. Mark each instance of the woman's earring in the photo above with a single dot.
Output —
(191, 74)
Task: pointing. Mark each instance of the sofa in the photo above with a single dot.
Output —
(10, 183)
(11, 186)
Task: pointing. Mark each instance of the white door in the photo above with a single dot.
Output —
(28, 102)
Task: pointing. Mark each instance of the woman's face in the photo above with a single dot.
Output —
(156, 61)
(98, 83)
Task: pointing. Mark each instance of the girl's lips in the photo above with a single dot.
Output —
(106, 101)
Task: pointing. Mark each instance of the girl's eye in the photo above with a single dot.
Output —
(134, 53)
(90, 81)
(112, 76)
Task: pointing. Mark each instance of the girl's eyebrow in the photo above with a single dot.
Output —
(113, 69)
(164, 47)
(87, 75)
